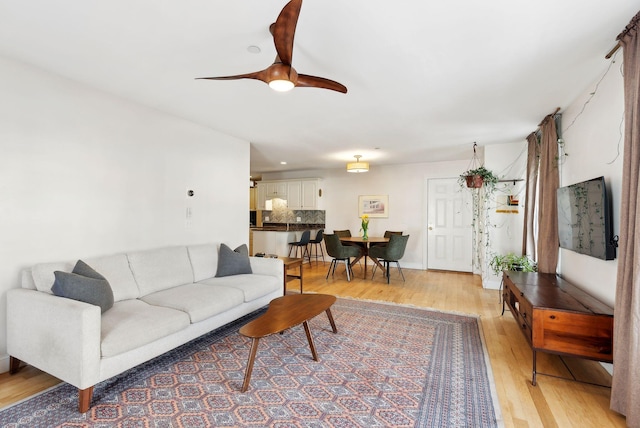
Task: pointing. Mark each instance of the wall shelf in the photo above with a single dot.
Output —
(510, 180)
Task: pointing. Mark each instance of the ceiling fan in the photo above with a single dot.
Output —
(281, 76)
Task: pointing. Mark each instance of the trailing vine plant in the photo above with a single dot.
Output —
(480, 223)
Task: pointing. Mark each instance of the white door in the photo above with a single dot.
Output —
(449, 216)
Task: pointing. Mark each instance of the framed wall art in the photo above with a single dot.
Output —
(373, 206)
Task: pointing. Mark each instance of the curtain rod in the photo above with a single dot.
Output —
(612, 51)
(552, 114)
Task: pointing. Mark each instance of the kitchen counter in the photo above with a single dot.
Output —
(293, 227)
(275, 238)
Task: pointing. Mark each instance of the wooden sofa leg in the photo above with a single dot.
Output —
(84, 399)
(14, 365)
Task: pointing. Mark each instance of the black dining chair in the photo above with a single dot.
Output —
(342, 233)
(391, 253)
(347, 234)
(316, 243)
(387, 234)
(340, 253)
(301, 246)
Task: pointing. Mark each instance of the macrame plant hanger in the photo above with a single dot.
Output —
(474, 181)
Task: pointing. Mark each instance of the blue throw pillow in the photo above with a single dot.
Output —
(84, 284)
(233, 262)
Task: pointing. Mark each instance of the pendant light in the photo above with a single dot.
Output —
(358, 166)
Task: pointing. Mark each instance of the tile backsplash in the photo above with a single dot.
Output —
(284, 215)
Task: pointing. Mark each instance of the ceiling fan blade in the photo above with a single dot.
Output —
(258, 75)
(284, 30)
(306, 81)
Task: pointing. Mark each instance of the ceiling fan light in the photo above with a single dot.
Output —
(281, 85)
(358, 166)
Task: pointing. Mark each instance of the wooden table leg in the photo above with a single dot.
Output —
(533, 374)
(301, 274)
(310, 339)
(331, 321)
(284, 285)
(252, 357)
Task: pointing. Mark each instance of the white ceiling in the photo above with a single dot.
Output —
(425, 78)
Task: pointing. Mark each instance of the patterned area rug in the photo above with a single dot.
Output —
(388, 366)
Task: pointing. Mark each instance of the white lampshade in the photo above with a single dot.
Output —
(358, 166)
(281, 85)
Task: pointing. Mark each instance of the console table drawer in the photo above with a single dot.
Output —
(525, 327)
(574, 334)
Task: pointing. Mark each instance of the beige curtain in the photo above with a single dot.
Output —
(531, 198)
(625, 392)
(549, 179)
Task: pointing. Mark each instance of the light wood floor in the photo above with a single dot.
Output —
(552, 403)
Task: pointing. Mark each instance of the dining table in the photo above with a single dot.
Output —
(365, 244)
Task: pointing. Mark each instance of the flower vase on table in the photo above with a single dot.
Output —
(365, 227)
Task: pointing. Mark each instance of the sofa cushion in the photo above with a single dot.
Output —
(204, 260)
(116, 270)
(43, 274)
(84, 284)
(26, 279)
(253, 286)
(200, 301)
(160, 269)
(133, 323)
(233, 262)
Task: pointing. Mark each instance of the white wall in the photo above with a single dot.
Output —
(407, 190)
(592, 129)
(83, 174)
(507, 161)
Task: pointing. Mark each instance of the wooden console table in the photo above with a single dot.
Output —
(557, 317)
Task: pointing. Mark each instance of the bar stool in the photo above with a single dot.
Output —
(301, 245)
(314, 243)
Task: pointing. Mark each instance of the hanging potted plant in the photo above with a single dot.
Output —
(485, 182)
(477, 177)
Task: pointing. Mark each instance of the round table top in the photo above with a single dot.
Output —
(374, 239)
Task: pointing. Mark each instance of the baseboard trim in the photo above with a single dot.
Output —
(491, 285)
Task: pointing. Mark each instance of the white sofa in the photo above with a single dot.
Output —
(163, 298)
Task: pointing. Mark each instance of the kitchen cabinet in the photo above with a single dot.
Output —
(268, 190)
(261, 196)
(294, 195)
(303, 194)
(252, 198)
(310, 195)
(277, 189)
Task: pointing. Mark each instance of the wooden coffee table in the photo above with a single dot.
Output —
(283, 313)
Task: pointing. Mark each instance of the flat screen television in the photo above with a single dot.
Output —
(585, 223)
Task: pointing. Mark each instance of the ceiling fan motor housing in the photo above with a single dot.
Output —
(279, 71)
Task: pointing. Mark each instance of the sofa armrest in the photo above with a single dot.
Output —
(57, 335)
(267, 266)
